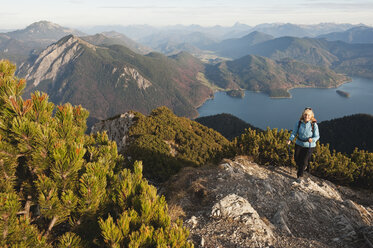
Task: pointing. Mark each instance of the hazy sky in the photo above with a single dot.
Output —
(75, 13)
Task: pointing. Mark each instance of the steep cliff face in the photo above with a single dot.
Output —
(54, 58)
(242, 204)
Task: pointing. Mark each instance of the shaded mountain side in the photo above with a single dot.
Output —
(228, 125)
(18, 51)
(307, 50)
(346, 133)
(354, 59)
(273, 77)
(236, 48)
(362, 34)
(239, 203)
(111, 80)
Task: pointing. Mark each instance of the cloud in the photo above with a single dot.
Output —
(2, 14)
(340, 5)
(76, 1)
(137, 7)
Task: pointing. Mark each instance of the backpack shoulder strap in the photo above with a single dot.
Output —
(313, 128)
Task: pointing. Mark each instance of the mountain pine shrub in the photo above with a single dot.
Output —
(165, 143)
(62, 188)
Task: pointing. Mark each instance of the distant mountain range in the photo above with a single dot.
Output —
(114, 38)
(110, 73)
(201, 37)
(360, 34)
(18, 45)
(299, 30)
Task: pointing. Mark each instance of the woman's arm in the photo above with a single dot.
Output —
(293, 133)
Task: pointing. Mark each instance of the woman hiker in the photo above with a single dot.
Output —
(308, 133)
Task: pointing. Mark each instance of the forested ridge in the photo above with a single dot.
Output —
(346, 133)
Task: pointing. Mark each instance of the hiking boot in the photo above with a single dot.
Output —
(299, 180)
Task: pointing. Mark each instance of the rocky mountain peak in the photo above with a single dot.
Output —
(44, 32)
(43, 25)
(54, 57)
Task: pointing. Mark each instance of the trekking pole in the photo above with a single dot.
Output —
(309, 154)
(290, 155)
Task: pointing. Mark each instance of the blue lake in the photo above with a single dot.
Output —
(261, 111)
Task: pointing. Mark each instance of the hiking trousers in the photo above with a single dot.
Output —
(302, 156)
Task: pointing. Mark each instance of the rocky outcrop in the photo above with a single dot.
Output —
(116, 128)
(241, 204)
(132, 74)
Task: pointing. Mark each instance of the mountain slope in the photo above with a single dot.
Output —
(361, 34)
(346, 133)
(114, 38)
(311, 51)
(111, 80)
(175, 38)
(273, 77)
(228, 125)
(350, 59)
(236, 48)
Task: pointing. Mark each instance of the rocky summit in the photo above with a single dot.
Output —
(242, 204)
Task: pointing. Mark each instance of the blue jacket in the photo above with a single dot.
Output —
(304, 133)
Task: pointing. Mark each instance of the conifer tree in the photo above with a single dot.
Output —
(62, 188)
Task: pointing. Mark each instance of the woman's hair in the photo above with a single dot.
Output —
(308, 111)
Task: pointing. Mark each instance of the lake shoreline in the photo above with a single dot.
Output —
(261, 111)
(274, 97)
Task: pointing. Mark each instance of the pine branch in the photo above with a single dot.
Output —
(51, 224)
